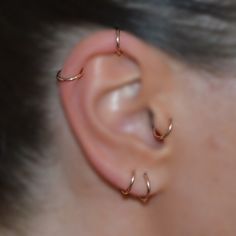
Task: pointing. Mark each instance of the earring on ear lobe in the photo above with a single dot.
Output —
(162, 137)
(127, 191)
(119, 52)
(145, 198)
(69, 79)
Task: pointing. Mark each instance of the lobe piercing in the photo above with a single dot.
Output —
(127, 191)
(144, 198)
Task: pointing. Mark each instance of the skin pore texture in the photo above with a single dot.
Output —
(103, 132)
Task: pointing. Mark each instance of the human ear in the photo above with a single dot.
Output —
(113, 105)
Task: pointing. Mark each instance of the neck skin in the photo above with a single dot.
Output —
(78, 202)
(91, 209)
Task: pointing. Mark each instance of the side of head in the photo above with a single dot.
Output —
(79, 141)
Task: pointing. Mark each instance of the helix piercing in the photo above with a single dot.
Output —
(145, 198)
(64, 79)
(118, 48)
(81, 73)
(162, 137)
(127, 191)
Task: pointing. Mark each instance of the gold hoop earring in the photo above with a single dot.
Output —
(145, 198)
(162, 137)
(127, 191)
(118, 48)
(69, 79)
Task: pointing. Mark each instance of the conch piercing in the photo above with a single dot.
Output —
(145, 198)
(162, 137)
(118, 48)
(67, 79)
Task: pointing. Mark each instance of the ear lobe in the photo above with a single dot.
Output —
(108, 111)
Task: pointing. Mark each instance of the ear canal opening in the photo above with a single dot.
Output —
(151, 118)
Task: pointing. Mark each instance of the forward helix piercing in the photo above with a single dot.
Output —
(118, 48)
(68, 79)
(162, 137)
(144, 198)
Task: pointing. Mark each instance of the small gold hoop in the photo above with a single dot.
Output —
(127, 191)
(68, 79)
(148, 184)
(162, 137)
(118, 48)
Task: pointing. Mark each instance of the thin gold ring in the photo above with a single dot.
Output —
(127, 191)
(118, 48)
(64, 79)
(162, 137)
(148, 184)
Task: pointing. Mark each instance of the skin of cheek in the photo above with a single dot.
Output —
(202, 196)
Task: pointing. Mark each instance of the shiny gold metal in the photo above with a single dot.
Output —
(118, 48)
(127, 191)
(145, 198)
(68, 79)
(162, 137)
